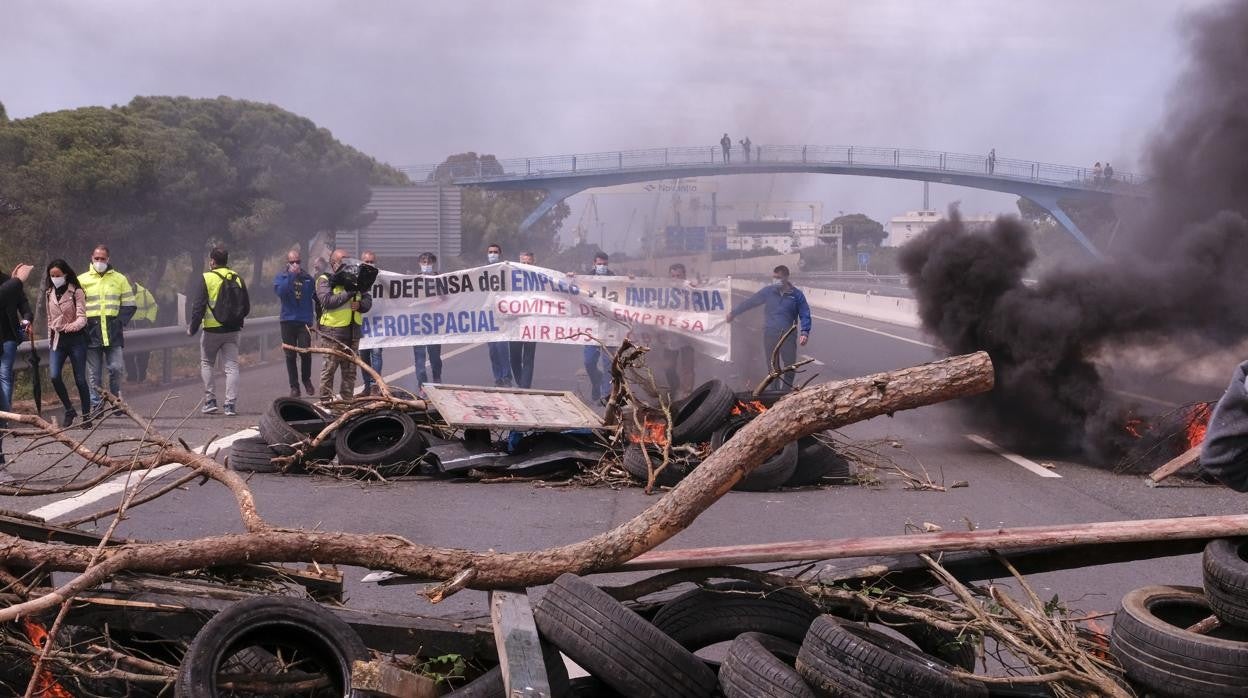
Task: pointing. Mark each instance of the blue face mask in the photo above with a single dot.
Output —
(426, 269)
(493, 257)
(600, 269)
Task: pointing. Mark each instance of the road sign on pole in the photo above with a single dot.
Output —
(864, 258)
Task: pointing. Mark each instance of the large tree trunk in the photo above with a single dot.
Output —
(815, 409)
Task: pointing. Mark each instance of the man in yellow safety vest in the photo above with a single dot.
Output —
(221, 303)
(110, 305)
(144, 316)
(342, 310)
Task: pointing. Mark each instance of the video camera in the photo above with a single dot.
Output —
(355, 275)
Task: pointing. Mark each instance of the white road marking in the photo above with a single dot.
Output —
(879, 332)
(120, 483)
(1012, 457)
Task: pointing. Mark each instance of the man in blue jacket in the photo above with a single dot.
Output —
(296, 289)
(1224, 453)
(784, 305)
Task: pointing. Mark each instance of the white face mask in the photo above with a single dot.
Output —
(777, 282)
(59, 281)
(600, 269)
(426, 269)
(100, 267)
(493, 257)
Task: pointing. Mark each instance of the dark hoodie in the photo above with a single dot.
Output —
(1224, 453)
(13, 309)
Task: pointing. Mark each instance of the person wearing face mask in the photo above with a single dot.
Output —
(372, 357)
(67, 320)
(784, 305)
(342, 316)
(428, 267)
(598, 358)
(500, 353)
(15, 319)
(522, 354)
(296, 289)
(677, 357)
(110, 305)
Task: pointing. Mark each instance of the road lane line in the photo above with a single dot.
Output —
(1012, 457)
(879, 332)
(119, 484)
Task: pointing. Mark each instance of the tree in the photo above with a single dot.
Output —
(857, 229)
(495, 216)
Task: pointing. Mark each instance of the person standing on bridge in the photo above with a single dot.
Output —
(725, 143)
(500, 353)
(523, 353)
(428, 267)
(221, 304)
(1096, 172)
(296, 288)
(785, 305)
(746, 147)
(1109, 173)
(372, 357)
(992, 160)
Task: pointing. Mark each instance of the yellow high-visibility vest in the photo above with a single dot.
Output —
(213, 281)
(341, 316)
(105, 294)
(144, 304)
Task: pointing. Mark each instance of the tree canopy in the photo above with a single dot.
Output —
(858, 230)
(163, 176)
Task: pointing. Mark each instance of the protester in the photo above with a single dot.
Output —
(372, 357)
(992, 160)
(1096, 172)
(746, 148)
(1224, 452)
(785, 305)
(296, 289)
(67, 319)
(15, 319)
(221, 303)
(597, 357)
(110, 305)
(144, 316)
(341, 318)
(725, 144)
(678, 356)
(428, 267)
(523, 353)
(500, 353)
(1109, 173)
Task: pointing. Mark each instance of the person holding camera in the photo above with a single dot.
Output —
(342, 307)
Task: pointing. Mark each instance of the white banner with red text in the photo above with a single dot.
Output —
(509, 301)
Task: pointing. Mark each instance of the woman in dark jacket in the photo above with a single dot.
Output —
(67, 318)
(15, 318)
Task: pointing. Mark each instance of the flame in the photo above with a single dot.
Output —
(1197, 423)
(46, 686)
(751, 407)
(653, 431)
(1135, 427)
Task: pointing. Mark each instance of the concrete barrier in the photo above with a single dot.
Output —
(897, 311)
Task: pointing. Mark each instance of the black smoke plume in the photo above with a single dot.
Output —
(1181, 274)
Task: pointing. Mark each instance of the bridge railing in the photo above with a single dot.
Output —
(866, 157)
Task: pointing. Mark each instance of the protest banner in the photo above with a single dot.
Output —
(509, 301)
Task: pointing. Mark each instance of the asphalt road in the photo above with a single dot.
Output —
(520, 516)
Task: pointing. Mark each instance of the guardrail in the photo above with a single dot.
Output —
(841, 155)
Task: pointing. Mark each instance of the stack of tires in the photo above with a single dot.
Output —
(706, 415)
(1154, 639)
(388, 440)
(780, 646)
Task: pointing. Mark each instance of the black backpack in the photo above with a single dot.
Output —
(232, 301)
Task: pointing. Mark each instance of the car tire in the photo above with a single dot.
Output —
(887, 665)
(277, 429)
(634, 463)
(490, 684)
(616, 645)
(1225, 564)
(719, 613)
(326, 639)
(817, 462)
(1149, 639)
(379, 439)
(700, 413)
(252, 455)
(755, 666)
(772, 473)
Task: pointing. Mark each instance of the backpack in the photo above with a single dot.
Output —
(232, 301)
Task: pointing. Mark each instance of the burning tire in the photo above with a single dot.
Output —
(884, 665)
(1150, 641)
(816, 461)
(760, 666)
(490, 684)
(252, 455)
(291, 420)
(703, 617)
(1226, 579)
(270, 641)
(634, 462)
(617, 645)
(772, 472)
(700, 413)
(379, 439)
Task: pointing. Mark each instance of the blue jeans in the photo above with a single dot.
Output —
(434, 351)
(74, 348)
(8, 354)
(599, 378)
(522, 354)
(372, 357)
(500, 362)
(101, 359)
(788, 357)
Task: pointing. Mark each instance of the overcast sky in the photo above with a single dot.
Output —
(1066, 81)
